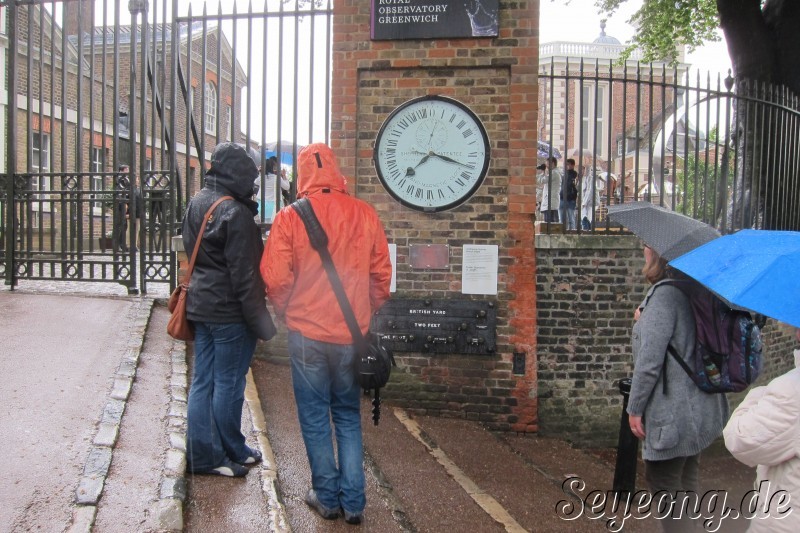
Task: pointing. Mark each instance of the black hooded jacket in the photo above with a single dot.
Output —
(226, 286)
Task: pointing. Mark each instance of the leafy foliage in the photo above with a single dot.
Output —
(698, 186)
(664, 23)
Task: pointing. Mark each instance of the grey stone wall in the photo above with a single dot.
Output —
(587, 288)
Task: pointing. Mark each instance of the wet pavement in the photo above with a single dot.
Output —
(93, 415)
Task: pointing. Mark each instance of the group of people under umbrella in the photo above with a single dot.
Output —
(750, 270)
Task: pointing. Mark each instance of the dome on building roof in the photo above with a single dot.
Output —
(603, 38)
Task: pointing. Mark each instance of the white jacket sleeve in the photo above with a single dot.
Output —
(765, 428)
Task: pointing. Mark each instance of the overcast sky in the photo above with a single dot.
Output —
(579, 21)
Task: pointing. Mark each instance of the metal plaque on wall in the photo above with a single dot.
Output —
(437, 326)
(433, 19)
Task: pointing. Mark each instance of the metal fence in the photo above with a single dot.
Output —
(116, 108)
(719, 150)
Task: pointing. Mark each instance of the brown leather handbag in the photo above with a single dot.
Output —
(179, 326)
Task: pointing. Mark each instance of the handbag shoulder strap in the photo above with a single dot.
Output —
(319, 241)
(207, 216)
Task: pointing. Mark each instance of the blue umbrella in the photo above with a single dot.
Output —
(287, 149)
(757, 270)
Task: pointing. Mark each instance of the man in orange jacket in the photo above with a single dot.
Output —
(320, 344)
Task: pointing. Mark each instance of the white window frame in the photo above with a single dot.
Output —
(229, 128)
(97, 166)
(210, 108)
(585, 93)
(190, 110)
(40, 163)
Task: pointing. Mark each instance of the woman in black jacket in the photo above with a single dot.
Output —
(226, 304)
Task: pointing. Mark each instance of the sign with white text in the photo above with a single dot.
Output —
(433, 19)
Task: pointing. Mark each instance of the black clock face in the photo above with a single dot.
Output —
(432, 153)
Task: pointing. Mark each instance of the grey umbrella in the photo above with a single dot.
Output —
(669, 233)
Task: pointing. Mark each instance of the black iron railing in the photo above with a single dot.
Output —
(723, 151)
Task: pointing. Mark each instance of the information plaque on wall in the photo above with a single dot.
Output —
(433, 19)
(437, 326)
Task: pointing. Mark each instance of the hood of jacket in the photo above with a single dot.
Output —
(232, 169)
(318, 170)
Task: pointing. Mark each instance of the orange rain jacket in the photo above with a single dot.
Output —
(296, 282)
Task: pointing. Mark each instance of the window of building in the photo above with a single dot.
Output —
(97, 166)
(40, 164)
(591, 134)
(190, 107)
(211, 108)
(229, 128)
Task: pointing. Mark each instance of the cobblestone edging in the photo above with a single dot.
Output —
(98, 461)
(168, 510)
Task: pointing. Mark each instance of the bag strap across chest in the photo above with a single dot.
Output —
(319, 241)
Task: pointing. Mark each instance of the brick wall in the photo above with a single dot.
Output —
(496, 78)
(588, 287)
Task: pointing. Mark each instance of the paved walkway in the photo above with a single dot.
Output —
(93, 413)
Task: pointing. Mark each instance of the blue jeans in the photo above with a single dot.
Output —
(566, 211)
(325, 388)
(222, 354)
(551, 215)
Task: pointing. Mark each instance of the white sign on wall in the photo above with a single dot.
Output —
(479, 269)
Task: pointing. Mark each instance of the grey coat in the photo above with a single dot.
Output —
(686, 420)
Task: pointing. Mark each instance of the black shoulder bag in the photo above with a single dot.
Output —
(374, 362)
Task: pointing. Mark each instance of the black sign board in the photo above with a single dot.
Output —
(433, 19)
(437, 326)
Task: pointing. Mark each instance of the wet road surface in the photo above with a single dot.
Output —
(67, 360)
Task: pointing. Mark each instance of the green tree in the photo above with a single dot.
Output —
(698, 183)
(763, 44)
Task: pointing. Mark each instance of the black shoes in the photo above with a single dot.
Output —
(227, 469)
(253, 458)
(351, 518)
(330, 514)
(324, 512)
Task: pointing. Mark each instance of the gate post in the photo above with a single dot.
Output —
(11, 151)
(136, 7)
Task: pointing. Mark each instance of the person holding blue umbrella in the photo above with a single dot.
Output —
(764, 432)
(759, 270)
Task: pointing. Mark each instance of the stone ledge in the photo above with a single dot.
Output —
(586, 241)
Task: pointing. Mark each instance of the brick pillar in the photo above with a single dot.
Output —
(496, 78)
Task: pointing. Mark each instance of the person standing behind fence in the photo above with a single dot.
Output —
(266, 188)
(226, 304)
(591, 186)
(568, 196)
(321, 348)
(119, 231)
(550, 181)
(678, 421)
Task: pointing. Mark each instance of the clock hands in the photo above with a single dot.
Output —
(450, 160)
(410, 171)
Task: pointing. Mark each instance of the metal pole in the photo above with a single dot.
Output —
(11, 150)
(627, 448)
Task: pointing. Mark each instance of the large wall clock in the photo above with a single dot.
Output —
(432, 153)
